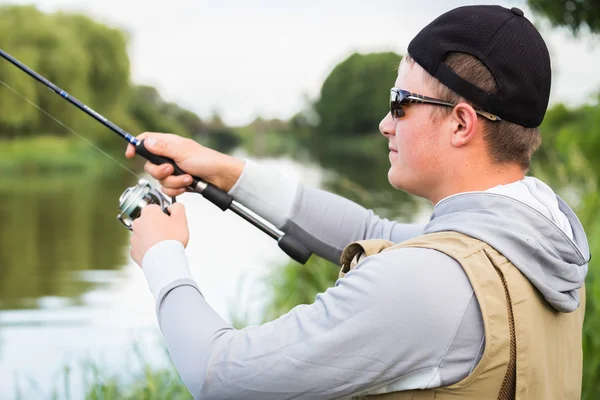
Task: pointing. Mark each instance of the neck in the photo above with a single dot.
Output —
(477, 179)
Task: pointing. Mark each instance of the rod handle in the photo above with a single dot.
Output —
(294, 249)
(213, 194)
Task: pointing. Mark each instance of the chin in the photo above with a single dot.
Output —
(400, 182)
(395, 180)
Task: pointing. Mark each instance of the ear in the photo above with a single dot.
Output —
(465, 124)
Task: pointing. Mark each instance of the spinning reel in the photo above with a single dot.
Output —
(135, 198)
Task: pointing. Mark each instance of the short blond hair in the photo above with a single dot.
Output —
(507, 142)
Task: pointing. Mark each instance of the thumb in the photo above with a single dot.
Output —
(177, 211)
(163, 144)
(157, 146)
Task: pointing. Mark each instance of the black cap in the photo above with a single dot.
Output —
(509, 46)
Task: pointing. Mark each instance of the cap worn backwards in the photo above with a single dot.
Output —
(509, 46)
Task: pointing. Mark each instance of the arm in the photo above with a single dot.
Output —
(326, 223)
(387, 325)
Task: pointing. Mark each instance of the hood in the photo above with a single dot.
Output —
(526, 230)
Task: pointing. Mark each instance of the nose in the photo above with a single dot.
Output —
(387, 126)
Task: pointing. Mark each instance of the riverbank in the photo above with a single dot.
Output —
(46, 155)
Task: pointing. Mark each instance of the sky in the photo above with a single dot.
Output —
(270, 57)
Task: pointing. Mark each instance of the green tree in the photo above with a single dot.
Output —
(81, 56)
(355, 96)
(148, 108)
(354, 99)
(87, 59)
(568, 160)
(573, 14)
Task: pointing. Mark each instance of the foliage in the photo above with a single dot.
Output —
(272, 137)
(144, 381)
(217, 135)
(354, 97)
(573, 14)
(568, 160)
(147, 108)
(88, 60)
(47, 155)
(340, 132)
(150, 385)
(294, 284)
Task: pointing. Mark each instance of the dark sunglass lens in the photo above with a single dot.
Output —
(396, 109)
(396, 98)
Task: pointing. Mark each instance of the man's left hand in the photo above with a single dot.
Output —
(154, 226)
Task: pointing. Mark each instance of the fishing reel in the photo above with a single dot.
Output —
(135, 198)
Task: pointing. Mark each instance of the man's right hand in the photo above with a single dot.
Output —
(210, 165)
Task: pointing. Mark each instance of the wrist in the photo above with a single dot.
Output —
(164, 263)
(231, 173)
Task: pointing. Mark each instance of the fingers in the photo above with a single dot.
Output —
(150, 209)
(165, 144)
(177, 211)
(156, 142)
(173, 192)
(163, 173)
(171, 146)
(130, 151)
(158, 171)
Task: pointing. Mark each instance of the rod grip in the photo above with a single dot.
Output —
(211, 192)
(217, 196)
(294, 249)
(156, 159)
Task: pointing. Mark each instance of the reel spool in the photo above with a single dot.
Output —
(135, 198)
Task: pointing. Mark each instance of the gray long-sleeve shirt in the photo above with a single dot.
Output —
(401, 320)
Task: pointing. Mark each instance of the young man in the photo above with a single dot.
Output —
(486, 301)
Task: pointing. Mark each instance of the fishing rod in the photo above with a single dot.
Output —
(218, 197)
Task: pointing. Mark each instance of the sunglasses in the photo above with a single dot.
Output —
(400, 97)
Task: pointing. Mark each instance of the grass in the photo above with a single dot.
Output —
(150, 385)
(144, 382)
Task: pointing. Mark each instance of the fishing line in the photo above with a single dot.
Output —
(135, 198)
(70, 129)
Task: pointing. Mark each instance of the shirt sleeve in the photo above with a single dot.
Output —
(324, 222)
(386, 326)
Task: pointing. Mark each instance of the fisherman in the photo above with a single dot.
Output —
(486, 301)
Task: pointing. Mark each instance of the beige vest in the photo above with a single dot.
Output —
(531, 350)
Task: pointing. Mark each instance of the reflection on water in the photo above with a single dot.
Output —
(54, 233)
(67, 289)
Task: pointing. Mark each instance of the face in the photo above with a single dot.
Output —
(415, 143)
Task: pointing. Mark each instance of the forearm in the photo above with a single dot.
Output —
(189, 327)
(326, 223)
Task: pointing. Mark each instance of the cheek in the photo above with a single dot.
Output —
(415, 148)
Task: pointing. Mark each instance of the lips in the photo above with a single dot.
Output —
(393, 153)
